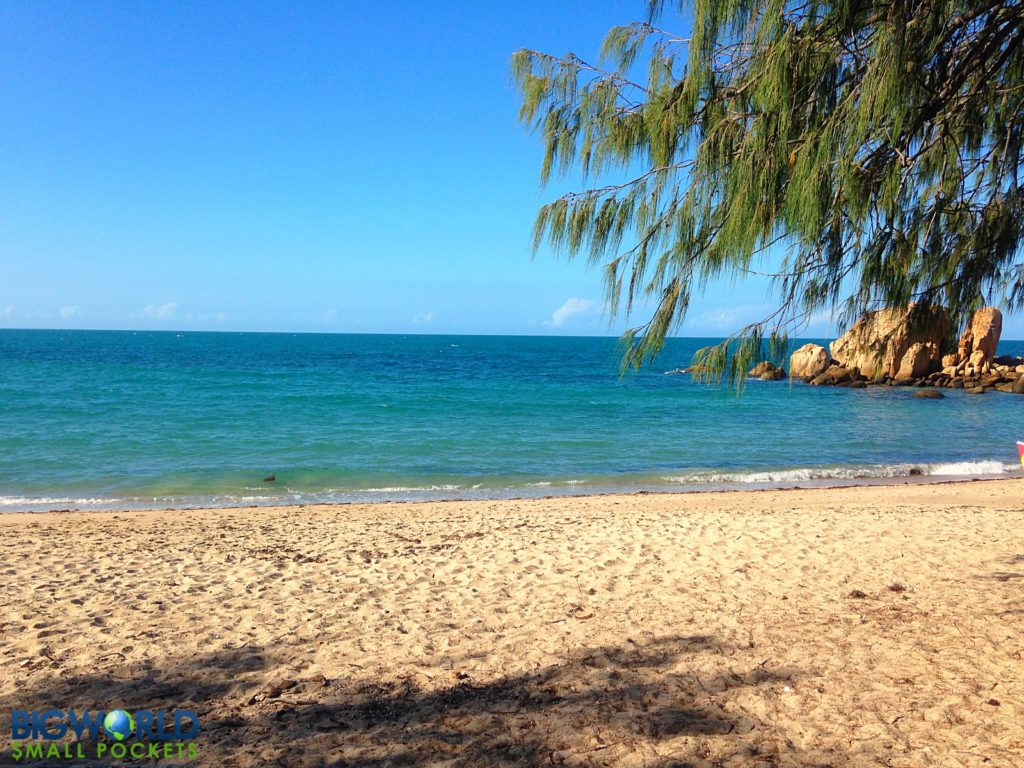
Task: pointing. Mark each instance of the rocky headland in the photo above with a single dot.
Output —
(908, 348)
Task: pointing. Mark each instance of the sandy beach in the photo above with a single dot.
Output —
(841, 627)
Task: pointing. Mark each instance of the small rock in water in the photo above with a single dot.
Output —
(269, 478)
(929, 394)
(767, 371)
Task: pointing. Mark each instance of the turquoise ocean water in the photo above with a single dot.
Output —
(97, 419)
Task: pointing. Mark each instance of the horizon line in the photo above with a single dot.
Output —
(367, 333)
(383, 333)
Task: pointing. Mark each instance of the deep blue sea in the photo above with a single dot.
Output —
(98, 419)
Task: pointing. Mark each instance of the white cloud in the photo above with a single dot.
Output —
(161, 311)
(205, 317)
(725, 320)
(329, 316)
(8, 310)
(571, 308)
(66, 313)
(822, 323)
(423, 318)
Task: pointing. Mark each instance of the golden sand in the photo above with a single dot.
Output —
(845, 627)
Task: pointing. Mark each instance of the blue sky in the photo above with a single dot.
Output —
(335, 167)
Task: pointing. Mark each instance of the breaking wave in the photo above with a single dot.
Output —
(21, 501)
(864, 472)
(506, 488)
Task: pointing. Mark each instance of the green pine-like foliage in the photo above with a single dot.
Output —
(876, 145)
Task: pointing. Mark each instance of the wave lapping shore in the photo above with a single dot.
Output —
(693, 481)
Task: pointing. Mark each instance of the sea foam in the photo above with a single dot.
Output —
(865, 472)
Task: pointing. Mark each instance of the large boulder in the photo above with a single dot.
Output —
(977, 346)
(809, 361)
(916, 362)
(879, 341)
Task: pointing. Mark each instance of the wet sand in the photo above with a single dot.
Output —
(847, 627)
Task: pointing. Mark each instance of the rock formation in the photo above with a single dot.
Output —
(837, 376)
(895, 348)
(809, 361)
(767, 371)
(977, 347)
(916, 362)
(892, 347)
(887, 343)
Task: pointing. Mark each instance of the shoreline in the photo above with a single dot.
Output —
(846, 626)
(572, 490)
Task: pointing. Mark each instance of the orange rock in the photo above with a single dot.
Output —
(879, 341)
(809, 360)
(981, 337)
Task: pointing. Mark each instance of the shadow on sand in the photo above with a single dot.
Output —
(667, 702)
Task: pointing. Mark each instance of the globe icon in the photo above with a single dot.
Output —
(119, 725)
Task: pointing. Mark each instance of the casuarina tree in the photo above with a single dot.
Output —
(868, 153)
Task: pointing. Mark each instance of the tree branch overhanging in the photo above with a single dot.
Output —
(879, 143)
